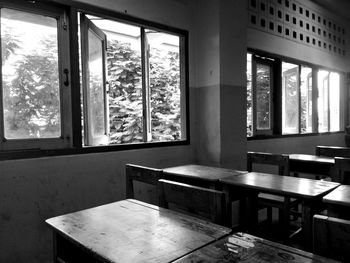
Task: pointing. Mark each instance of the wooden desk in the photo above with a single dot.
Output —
(338, 202)
(246, 187)
(200, 175)
(313, 164)
(129, 231)
(241, 247)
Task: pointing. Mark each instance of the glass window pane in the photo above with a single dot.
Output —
(30, 78)
(306, 100)
(263, 96)
(249, 96)
(96, 89)
(322, 102)
(290, 98)
(334, 99)
(125, 82)
(164, 83)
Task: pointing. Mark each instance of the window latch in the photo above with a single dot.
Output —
(66, 81)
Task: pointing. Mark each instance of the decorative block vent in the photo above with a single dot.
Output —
(294, 21)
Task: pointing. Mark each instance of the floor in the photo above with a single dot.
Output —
(273, 231)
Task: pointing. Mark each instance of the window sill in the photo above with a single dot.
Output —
(38, 153)
(279, 136)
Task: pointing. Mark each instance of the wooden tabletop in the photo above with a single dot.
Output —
(134, 231)
(283, 185)
(241, 247)
(207, 173)
(339, 196)
(311, 158)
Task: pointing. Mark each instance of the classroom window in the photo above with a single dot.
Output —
(296, 99)
(328, 101)
(259, 95)
(132, 83)
(115, 81)
(293, 103)
(305, 99)
(249, 96)
(290, 98)
(263, 96)
(35, 98)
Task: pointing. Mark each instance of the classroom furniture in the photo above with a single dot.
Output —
(281, 161)
(200, 175)
(284, 204)
(333, 151)
(142, 174)
(311, 164)
(242, 247)
(332, 237)
(338, 202)
(129, 231)
(341, 172)
(203, 202)
(246, 188)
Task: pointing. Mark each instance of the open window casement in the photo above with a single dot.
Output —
(291, 99)
(95, 102)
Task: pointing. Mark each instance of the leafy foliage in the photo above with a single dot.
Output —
(31, 96)
(125, 94)
(165, 95)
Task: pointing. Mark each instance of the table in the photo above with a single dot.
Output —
(338, 202)
(242, 247)
(313, 164)
(200, 175)
(129, 231)
(247, 186)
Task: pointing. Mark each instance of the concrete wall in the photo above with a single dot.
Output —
(33, 190)
(220, 64)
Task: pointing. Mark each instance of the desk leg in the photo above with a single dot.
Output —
(54, 241)
(246, 204)
(250, 211)
(309, 209)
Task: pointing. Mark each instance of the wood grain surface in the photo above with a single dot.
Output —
(134, 231)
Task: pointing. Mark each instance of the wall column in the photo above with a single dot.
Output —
(220, 28)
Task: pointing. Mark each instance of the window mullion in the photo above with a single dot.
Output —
(328, 104)
(147, 136)
(2, 133)
(254, 90)
(299, 98)
(314, 101)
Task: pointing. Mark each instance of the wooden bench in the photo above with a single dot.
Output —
(142, 174)
(333, 151)
(332, 237)
(341, 172)
(202, 202)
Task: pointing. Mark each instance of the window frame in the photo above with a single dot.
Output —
(75, 146)
(184, 98)
(64, 68)
(277, 98)
(262, 61)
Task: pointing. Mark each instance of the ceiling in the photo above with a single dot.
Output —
(339, 7)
